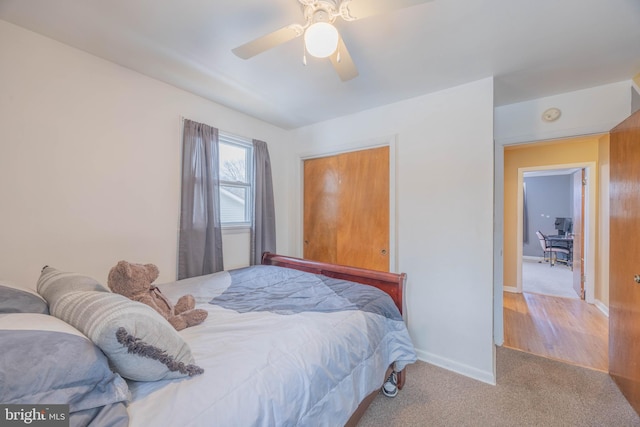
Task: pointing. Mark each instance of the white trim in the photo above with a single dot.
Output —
(348, 148)
(232, 139)
(391, 142)
(236, 229)
(602, 307)
(512, 289)
(533, 258)
(561, 134)
(635, 86)
(460, 368)
(498, 246)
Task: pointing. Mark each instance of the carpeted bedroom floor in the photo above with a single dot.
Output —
(530, 391)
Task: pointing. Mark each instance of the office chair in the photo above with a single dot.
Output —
(551, 251)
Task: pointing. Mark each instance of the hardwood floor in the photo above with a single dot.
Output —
(558, 328)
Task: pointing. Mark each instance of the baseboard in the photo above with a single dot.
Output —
(603, 308)
(512, 289)
(533, 258)
(459, 368)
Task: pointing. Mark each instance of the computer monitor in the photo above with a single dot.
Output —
(563, 225)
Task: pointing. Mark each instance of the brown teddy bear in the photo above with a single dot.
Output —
(134, 282)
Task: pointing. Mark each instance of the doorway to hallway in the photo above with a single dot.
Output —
(557, 327)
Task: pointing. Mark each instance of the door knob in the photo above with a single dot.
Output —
(636, 278)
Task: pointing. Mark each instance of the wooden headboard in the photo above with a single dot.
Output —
(391, 283)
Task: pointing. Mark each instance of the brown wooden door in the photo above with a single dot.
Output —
(321, 184)
(624, 261)
(346, 209)
(578, 232)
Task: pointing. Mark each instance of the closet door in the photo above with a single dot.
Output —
(346, 209)
(624, 259)
(321, 209)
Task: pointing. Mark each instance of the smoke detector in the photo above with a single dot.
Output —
(551, 114)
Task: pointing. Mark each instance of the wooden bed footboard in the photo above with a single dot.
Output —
(391, 283)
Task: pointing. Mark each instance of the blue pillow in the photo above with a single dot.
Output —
(15, 300)
(47, 361)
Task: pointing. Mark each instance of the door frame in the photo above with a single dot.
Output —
(389, 141)
(589, 224)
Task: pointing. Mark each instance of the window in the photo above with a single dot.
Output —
(236, 178)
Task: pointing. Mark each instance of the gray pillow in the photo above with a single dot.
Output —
(14, 300)
(55, 282)
(140, 344)
(46, 360)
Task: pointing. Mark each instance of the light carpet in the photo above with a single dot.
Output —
(541, 278)
(530, 391)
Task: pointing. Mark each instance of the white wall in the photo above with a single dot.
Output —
(444, 194)
(584, 112)
(90, 161)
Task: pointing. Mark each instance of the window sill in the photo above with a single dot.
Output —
(236, 229)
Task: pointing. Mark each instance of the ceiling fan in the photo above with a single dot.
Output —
(321, 38)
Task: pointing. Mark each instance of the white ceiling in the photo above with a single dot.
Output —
(533, 48)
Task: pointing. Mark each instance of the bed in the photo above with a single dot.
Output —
(288, 342)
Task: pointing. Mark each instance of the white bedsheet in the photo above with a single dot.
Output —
(266, 369)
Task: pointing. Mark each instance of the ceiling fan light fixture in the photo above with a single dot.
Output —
(321, 39)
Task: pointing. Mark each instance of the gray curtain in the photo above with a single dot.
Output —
(263, 224)
(200, 240)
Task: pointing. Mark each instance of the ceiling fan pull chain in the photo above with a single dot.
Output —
(304, 55)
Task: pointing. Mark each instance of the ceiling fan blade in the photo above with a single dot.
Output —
(342, 62)
(269, 41)
(359, 9)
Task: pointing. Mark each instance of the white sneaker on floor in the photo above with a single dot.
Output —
(390, 386)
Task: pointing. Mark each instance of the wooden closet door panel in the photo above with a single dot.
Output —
(321, 209)
(346, 209)
(363, 228)
(624, 261)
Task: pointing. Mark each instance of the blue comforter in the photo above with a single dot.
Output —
(286, 291)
